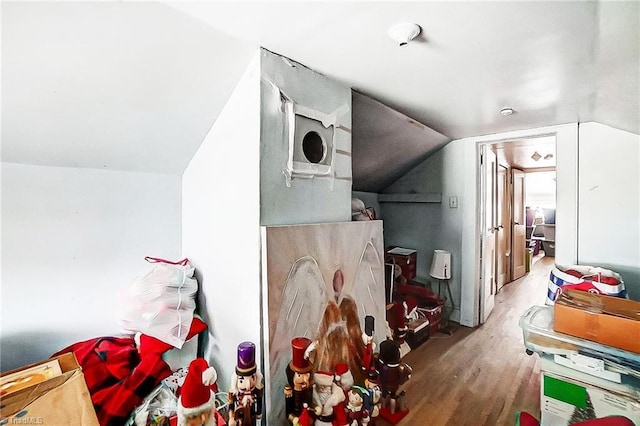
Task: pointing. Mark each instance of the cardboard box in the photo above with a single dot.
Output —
(564, 401)
(405, 258)
(418, 332)
(612, 321)
(55, 394)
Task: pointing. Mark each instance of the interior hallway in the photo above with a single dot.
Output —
(480, 376)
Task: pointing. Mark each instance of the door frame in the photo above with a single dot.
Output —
(487, 234)
(566, 207)
(504, 224)
(521, 254)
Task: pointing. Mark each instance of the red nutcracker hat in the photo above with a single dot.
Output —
(246, 361)
(299, 363)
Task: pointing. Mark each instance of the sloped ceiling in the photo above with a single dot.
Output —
(112, 85)
(136, 85)
(386, 144)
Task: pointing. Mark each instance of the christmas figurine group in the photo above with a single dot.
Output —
(333, 398)
(313, 396)
(196, 405)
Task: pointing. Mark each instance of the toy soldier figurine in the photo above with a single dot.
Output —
(393, 374)
(245, 395)
(369, 345)
(374, 402)
(298, 393)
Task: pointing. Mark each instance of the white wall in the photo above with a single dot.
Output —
(436, 226)
(72, 239)
(541, 190)
(403, 224)
(460, 163)
(609, 201)
(234, 184)
(314, 200)
(221, 224)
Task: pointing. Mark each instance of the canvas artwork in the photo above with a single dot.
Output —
(320, 281)
(28, 377)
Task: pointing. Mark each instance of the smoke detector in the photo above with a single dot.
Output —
(404, 33)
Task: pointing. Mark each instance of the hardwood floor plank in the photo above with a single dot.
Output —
(480, 376)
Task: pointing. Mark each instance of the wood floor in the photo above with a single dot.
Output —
(480, 376)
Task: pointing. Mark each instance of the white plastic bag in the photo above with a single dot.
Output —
(161, 303)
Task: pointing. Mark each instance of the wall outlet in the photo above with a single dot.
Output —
(453, 202)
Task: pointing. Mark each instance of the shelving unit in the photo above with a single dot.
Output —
(429, 197)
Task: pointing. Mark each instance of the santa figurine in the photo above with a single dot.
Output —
(326, 396)
(344, 379)
(298, 391)
(197, 402)
(245, 395)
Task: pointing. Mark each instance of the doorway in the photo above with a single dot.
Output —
(504, 237)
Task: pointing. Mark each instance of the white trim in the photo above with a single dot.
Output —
(566, 208)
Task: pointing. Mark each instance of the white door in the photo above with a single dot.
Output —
(489, 177)
(503, 249)
(519, 229)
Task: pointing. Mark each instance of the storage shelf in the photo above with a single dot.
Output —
(430, 197)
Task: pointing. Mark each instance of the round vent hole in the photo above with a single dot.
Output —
(313, 147)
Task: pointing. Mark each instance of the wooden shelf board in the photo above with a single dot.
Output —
(430, 197)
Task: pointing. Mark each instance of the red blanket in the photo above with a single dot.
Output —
(117, 378)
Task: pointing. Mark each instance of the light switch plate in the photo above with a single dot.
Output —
(453, 202)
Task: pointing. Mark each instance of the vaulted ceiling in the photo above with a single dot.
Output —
(136, 85)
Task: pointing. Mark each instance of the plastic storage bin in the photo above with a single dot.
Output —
(549, 248)
(539, 336)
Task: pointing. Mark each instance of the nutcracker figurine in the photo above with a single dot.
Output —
(393, 374)
(371, 383)
(369, 345)
(245, 395)
(298, 391)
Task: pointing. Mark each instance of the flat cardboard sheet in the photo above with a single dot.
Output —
(61, 400)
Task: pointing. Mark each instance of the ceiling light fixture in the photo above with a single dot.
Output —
(506, 111)
(548, 156)
(404, 33)
(536, 156)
